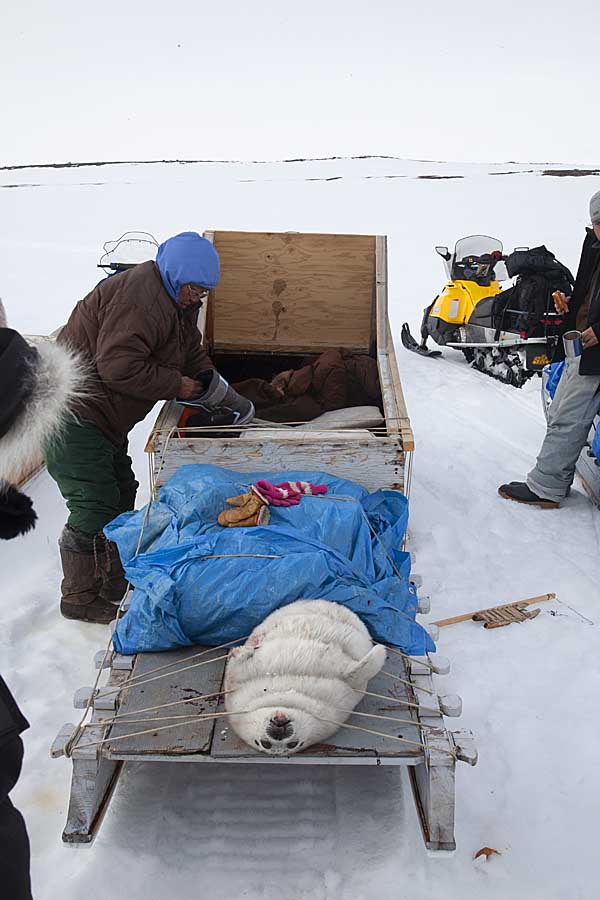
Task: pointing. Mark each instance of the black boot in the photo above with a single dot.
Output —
(82, 582)
(520, 493)
(114, 583)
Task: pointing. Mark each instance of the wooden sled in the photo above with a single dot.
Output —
(118, 733)
(281, 297)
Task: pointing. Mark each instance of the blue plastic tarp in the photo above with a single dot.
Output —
(198, 583)
(555, 371)
(596, 443)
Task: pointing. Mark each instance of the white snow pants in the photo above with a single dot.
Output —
(570, 417)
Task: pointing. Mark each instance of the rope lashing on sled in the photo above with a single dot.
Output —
(407, 682)
(122, 717)
(192, 719)
(270, 426)
(392, 737)
(176, 662)
(199, 699)
(196, 699)
(422, 661)
(188, 720)
(125, 720)
(141, 679)
(413, 722)
(202, 717)
(403, 702)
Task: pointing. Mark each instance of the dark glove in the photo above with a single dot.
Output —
(17, 515)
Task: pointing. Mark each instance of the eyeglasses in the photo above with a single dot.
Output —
(198, 292)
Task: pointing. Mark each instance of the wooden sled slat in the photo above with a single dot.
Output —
(177, 685)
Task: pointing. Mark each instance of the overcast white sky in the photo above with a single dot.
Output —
(464, 80)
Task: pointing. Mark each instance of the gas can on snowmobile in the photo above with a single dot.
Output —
(507, 331)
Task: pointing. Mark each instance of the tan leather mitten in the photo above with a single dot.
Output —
(247, 509)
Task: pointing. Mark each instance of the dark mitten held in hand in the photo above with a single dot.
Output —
(17, 515)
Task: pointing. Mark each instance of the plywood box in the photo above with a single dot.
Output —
(282, 297)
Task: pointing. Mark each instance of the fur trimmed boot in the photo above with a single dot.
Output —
(81, 588)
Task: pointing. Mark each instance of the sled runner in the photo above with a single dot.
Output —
(283, 298)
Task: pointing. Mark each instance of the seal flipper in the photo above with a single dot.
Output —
(362, 672)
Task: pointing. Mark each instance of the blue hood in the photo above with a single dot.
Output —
(187, 258)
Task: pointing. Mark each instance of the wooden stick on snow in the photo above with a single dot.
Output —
(489, 614)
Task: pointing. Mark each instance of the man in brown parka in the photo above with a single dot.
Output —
(136, 332)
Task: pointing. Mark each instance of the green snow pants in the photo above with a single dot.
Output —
(95, 477)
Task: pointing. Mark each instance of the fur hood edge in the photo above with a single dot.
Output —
(58, 381)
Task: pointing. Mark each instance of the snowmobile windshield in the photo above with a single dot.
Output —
(131, 248)
(474, 259)
(476, 245)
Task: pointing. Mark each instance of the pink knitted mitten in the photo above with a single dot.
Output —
(288, 493)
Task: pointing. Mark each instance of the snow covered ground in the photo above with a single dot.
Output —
(529, 692)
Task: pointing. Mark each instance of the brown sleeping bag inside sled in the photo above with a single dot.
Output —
(337, 379)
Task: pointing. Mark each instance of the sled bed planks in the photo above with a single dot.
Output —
(189, 738)
(215, 739)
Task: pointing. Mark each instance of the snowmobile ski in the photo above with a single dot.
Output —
(410, 344)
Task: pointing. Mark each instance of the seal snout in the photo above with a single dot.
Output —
(279, 727)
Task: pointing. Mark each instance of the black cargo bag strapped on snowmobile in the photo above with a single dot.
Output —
(524, 306)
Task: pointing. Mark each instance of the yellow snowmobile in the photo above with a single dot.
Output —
(509, 333)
